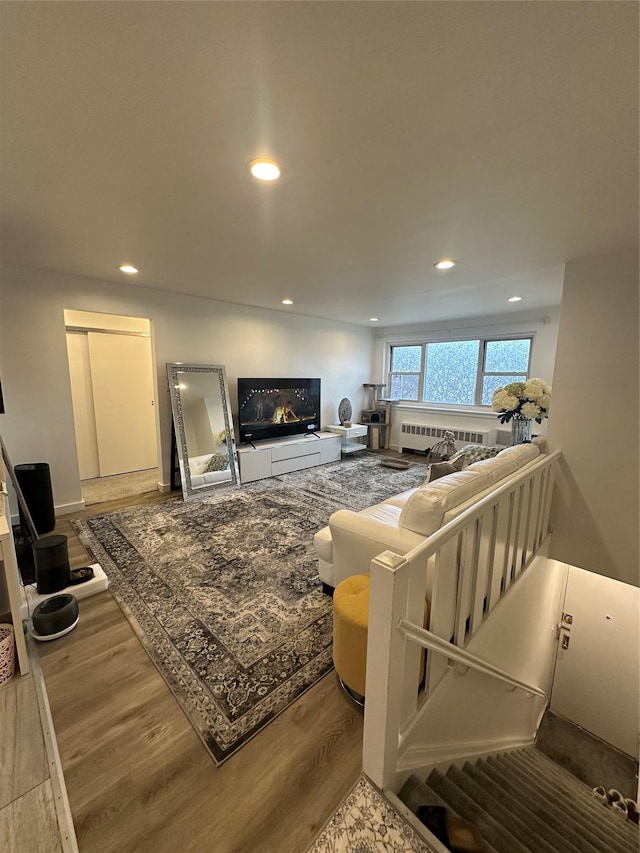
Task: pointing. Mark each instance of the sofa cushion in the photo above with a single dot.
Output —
(521, 454)
(496, 468)
(323, 544)
(424, 511)
(441, 469)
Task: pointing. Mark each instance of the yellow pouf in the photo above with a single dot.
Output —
(350, 626)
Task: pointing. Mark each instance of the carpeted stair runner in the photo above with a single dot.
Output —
(522, 801)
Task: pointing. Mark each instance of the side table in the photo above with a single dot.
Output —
(349, 436)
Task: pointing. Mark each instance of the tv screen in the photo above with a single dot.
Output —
(271, 408)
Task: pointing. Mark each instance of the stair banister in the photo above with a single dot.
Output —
(427, 640)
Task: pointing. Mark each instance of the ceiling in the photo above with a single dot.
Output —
(504, 135)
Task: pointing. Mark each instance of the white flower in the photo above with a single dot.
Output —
(544, 402)
(534, 389)
(530, 410)
(502, 401)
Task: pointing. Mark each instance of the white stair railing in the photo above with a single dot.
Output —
(468, 566)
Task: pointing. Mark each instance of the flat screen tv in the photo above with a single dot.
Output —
(273, 408)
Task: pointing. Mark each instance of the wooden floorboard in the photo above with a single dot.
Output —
(139, 778)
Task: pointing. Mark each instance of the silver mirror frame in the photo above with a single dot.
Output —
(219, 383)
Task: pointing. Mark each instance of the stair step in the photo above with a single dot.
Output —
(507, 812)
(523, 802)
(558, 807)
(492, 831)
(416, 793)
(538, 814)
(624, 828)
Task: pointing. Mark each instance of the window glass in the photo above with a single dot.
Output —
(512, 356)
(490, 383)
(450, 372)
(404, 386)
(406, 359)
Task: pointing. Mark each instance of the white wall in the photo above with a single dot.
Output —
(594, 417)
(38, 424)
(542, 324)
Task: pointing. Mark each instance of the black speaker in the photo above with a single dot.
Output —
(51, 558)
(34, 480)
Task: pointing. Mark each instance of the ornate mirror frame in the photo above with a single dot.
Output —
(199, 392)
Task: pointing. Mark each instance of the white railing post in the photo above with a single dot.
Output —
(387, 665)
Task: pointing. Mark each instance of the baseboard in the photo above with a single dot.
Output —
(65, 509)
(164, 487)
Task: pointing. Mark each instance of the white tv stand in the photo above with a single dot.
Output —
(281, 456)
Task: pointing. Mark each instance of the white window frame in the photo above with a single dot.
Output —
(480, 372)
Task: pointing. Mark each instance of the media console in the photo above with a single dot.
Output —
(270, 458)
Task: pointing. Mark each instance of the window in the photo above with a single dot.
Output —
(463, 373)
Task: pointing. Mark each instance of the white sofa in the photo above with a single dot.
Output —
(199, 474)
(352, 539)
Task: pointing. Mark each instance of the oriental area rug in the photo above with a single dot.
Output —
(224, 592)
(366, 823)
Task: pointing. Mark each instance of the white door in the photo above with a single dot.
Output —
(596, 682)
(124, 405)
(82, 401)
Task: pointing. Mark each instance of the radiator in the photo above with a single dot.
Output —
(421, 437)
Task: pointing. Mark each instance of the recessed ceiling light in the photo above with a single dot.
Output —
(445, 264)
(515, 299)
(265, 170)
(287, 301)
(374, 319)
(130, 270)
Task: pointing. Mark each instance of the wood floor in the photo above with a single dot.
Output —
(138, 777)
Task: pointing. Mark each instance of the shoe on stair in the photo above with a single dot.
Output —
(617, 803)
(599, 793)
(458, 835)
(632, 809)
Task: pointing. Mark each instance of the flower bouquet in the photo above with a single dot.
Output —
(530, 400)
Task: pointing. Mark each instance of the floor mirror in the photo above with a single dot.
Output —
(204, 428)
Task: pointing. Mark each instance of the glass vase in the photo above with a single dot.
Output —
(520, 429)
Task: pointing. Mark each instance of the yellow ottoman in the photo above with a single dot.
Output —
(350, 626)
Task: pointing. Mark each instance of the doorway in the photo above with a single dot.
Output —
(114, 408)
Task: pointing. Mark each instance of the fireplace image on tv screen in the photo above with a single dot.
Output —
(269, 408)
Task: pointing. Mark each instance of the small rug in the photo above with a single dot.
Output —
(224, 592)
(103, 489)
(366, 823)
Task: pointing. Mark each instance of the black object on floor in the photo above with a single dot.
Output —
(55, 617)
(34, 480)
(51, 558)
(80, 575)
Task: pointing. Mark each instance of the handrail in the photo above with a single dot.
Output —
(428, 640)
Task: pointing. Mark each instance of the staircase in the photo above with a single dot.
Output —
(523, 802)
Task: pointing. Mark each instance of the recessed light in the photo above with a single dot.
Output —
(265, 170)
(445, 264)
(287, 301)
(515, 299)
(130, 270)
(374, 319)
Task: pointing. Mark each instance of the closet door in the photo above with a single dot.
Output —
(122, 378)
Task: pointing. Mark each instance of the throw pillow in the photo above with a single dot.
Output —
(476, 453)
(441, 469)
(218, 462)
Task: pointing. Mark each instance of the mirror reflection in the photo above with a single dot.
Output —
(203, 426)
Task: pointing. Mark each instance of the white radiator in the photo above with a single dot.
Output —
(421, 437)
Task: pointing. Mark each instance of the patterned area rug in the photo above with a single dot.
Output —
(366, 823)
(224, 592)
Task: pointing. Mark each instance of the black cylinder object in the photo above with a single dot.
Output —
(54, 615)
(51, 558)
(34, 480)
